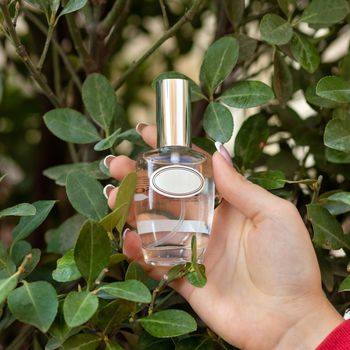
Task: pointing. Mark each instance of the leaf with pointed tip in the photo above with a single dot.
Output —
(345, 285)
(108, 142)
(72, 6)
(66, 270)
(23, 209)
(275, 30)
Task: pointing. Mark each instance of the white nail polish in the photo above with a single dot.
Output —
(107, 189)
(125, 232)
(106, 158)
(218, 145)
(140, 126)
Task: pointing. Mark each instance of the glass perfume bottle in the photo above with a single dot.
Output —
(174, 197)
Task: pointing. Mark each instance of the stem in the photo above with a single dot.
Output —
(188, 16)
(22, 53)
(56, 72)
(107, 23)
(316, 187)
(88, 62)
(100, 277)
(164, 14)
(73, 153)
(58, 47)
(47, 43)
(21, 338)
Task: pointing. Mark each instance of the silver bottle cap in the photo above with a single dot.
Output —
(173, 113)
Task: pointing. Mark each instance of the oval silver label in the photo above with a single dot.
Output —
(177, 181)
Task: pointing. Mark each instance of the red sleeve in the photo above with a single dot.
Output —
(339, 339)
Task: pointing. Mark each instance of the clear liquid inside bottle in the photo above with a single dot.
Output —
(165, 223)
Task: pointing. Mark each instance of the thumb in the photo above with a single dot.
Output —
(252, 200)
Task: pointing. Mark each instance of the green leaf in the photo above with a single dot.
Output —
(269, 179)
(100, 100)
(343, 197)
(108, 142)
(275, 30)
(195, 90)
(147, 342)
(218, 62)
(66, 270)
(82, 342)
(19, 250)
(6, 286)
(61, 239)
(34, 303)
(314, 99)
(250, 140)
(92, 251)
(23, 209)
(339, 157)
(282, 80)
(246, 94)
(247, 47)
(129, 290)
(328, 232)
(71, 126)
(169, 323)
(305, 52)
(59, 173)
(32, 263)
(72, 6)
(86, 195)
(195, 343)
(218, 122)
(325, 12)
(135, 272)
(196, 275)
(205, 144)
(79, 307)
(125, 195)
(28, 224)
(234, 11)
(337, 134)
(287, 6)
(113, 346)
(7, 266)
(43, 5)
(345, 285)
(334, 88)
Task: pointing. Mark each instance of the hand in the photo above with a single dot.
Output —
(264, 286)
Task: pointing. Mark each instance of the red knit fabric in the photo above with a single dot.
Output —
(339, 339)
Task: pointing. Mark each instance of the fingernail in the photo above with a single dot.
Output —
(140, 126)
(107, 190)
(223, 151)
(108, 160)
(125, 232)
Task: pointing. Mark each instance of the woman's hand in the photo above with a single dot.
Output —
(264, 285)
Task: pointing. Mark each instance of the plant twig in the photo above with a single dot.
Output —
(22, 53)
(188, 16)
(164, 14)
(58, 47)
(47, 42)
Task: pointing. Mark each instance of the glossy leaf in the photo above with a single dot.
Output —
(34, 303)
(61, 239)
(23, 209)
(79, 307)
(345, 285)
(195, 343)
(328, 232)
(339, 157)
(7, 266)
(334, 88)
(325, 12)
(6, 286)
(19, 250)
(92, 251)
(113, 346)
(71, 126)
(108, 142)
(72, 6)
(275, 30)
(270, 179)
(168, 323)
(246, 94)
(28, 224)
(282, 79)
(66, 270)
(247, 47)
(234, 11)
(316, 100)
(218, 62)
(305, 52)
(147, 342)
(196, 275)
(100, 100)
(86, 195)
(82, 342)
(132, 290)
(59, 173)
(218, 122)
(195, 91)
(251, 139)
(343, 197)
(287, 6)
(337, 134)
(32, 263)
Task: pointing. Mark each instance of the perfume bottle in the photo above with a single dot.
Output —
(174, 197)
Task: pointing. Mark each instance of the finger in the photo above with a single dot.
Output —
(120, 166)
(252, 200)
(132, 249)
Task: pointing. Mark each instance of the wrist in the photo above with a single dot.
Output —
(311, 327)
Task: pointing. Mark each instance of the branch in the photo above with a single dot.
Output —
(188, 16)
(22, 53)
(88, 63)
(46, 46)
